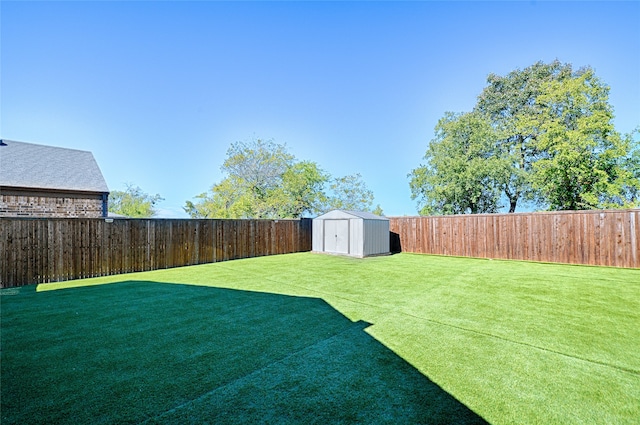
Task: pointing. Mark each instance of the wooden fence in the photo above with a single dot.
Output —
(606, 238)
(39, 250)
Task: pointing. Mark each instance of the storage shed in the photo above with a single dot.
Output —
(353, 233)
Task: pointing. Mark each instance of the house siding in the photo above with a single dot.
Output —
(19, 203)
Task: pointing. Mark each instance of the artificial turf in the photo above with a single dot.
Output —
(308, 338)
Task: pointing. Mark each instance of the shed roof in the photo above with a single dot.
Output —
(360, 214)
(29, 165)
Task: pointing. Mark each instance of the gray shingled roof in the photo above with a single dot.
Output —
(48, 167)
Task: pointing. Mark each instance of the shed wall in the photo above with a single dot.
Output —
(376, 237)
(317, 235)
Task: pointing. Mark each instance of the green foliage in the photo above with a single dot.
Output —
(303, 189)
(222, 201)
(265, 181)
(255, 185)
(582, 165)
(462, 173)
(544, 134)
(350, 193)
(509, 103)
(133, 202)
(257, 166)
(631, 163)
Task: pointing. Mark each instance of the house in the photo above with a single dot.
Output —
(352, 233)
(48, 181)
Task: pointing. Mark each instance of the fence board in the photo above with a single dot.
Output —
(40, 250)
(606, 238)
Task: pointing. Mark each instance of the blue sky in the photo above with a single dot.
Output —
(159, 90)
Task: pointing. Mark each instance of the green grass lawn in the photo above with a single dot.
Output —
(309, 338)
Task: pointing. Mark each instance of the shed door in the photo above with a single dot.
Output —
(336, 236)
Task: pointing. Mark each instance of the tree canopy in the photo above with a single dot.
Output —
(350, 193)
(461, 174)
(509, 104)
(581, 165)
(543, 135)
(263, 180)
(133, 202)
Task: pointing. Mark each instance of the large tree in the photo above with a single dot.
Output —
(133, 202)
(351, 193)
(303, 190)
(582, 161)
(510, 104)
(263, 180)
(461, 174)
(543, 134)
(258, 166)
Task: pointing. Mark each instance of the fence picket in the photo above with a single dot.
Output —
(605, 238)
(40, 250)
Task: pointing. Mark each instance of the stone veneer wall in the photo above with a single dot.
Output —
(17, 203)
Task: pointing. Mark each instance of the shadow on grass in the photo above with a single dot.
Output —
(149, 352)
